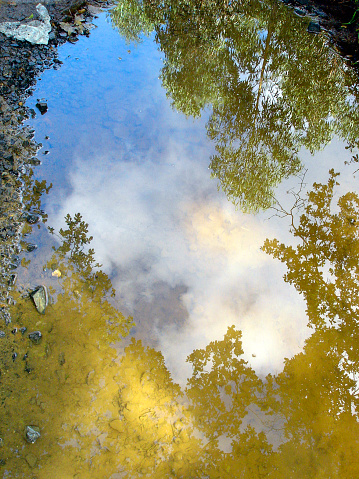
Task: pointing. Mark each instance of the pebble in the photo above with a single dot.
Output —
(32, 433)
(313, 27)
(42, 107)
(32, 218)
(31, 247)
(40, 298)
(35, 337)
(31, 459)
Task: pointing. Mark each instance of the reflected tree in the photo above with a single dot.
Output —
(222, 386)
(317, 392)
(316, 398)
(131, 21)
(263, 76)
(324, 265)
(124, 414)
(221, 390)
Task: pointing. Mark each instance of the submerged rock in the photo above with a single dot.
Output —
(32, 218)
(41, 106)
(31, 247)
(35, 336)
(32, 433)
(31, 459)
(40, 298)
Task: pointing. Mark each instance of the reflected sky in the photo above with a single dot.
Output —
(183, 261)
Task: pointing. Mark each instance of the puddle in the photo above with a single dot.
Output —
(183, 176)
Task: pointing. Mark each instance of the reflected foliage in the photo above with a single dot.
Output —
(263, 76)
(131, 21)
(54, 384)
(124, 415)
(324, 266)
(323, 379)
(222, 386)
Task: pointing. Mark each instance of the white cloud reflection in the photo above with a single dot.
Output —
(183, 261)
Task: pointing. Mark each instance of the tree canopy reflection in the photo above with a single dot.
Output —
(264, 78)
(109, 415)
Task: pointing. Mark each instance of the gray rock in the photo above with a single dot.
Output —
(42, 106)
(313, 27)
(32, 433)
(40, 298)
(2, 334)
(35, 336)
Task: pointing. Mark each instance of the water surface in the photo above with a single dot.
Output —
(180, 155)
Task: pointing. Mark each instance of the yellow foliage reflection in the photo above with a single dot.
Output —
(105, 415)
(54, 384)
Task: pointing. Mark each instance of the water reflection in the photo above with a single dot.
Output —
(54, 383)
(104, 414)
(264, 78)
(324, 266)
(191, 269)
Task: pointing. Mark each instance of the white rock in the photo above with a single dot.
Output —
(34, 32)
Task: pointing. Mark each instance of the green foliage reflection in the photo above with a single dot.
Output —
(273, 88)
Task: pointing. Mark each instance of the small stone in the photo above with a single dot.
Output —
(40, 298)
(32, 433)
(31, 459)
(313, 27)
(2, 334)
(34, 161)
(35, 337)
(42, 107)
(14, 356)
(32, 219)
(90, 377)
(62, 359)
(23, 330)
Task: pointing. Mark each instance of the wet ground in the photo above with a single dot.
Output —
(198, 165)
